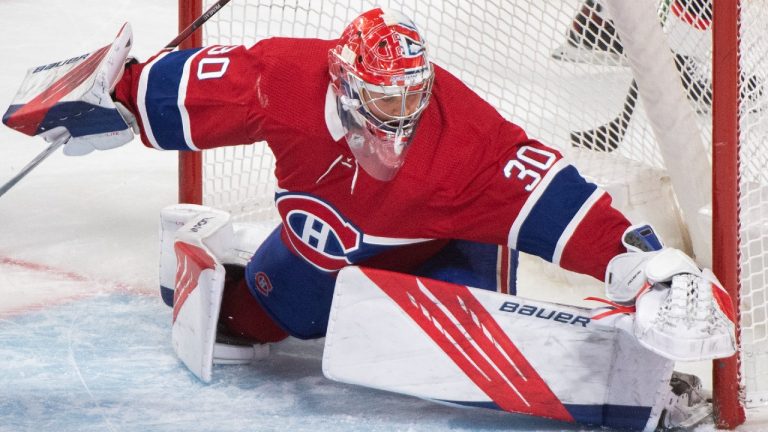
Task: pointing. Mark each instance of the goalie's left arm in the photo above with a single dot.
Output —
(682, 311)
(531, 199)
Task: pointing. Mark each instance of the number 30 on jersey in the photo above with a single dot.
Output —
(214, 67)
(528, 165)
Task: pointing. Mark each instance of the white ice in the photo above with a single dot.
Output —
(84, 338)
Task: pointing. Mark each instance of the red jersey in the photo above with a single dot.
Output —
(469, 173)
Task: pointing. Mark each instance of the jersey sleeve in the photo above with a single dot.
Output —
(530, 198)
(194, 99)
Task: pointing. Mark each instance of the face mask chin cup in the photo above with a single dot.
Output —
(380, 157)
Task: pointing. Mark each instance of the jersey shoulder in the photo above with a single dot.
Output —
(293, 50)
(293, 63)
(456, 99)
(468, 118)
(292, 80)
(474, 138)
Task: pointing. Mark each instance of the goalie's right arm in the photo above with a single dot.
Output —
(193, 99)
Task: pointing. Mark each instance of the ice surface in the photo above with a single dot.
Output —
(84, 339)
(96, 356)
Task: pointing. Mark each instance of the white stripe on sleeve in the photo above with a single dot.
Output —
(183, 98)
(141, 102)
(574, 223)
(533, 198)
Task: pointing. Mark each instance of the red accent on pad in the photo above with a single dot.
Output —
(190, 263)
(724, 302)
(617, 308)
(474, 341)
(28, 118)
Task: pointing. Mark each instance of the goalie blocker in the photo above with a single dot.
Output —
(69, 100)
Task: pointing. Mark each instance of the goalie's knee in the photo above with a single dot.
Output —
(197, 243)
(241, 315)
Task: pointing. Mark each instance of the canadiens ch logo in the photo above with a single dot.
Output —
(263, 284)
(317, 231)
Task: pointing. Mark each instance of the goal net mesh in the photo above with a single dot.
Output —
(558, 69)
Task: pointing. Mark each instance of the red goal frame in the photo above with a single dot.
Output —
(190, 163)
(729, 411)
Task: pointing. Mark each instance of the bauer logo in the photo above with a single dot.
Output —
(544, 313)
(317, 231)
(59, 63)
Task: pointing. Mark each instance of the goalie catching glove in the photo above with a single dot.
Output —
(69, 101)
(682, 312)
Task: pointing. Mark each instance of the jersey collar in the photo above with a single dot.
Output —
(332, 120)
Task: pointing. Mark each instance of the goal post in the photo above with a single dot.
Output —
(190, 163)
(725, 198)
(657, 101)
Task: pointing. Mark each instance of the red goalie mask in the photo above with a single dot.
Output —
(382, 80)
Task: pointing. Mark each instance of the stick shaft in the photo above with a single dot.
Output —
(196, 24)
(32, 164)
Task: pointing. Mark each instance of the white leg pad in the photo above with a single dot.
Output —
(196, 242)
(467, 346)
(238, 250)
(199, 286)
(197, 300)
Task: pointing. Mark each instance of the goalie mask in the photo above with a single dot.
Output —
(382, 80)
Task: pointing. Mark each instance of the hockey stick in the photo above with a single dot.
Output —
(35, 162)
(608, 136)
(196, 24)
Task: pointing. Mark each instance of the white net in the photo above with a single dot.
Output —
(515, 54)
(558, 69)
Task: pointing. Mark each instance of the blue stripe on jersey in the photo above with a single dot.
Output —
(553, 212)
(162, 100)
(469, 263)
